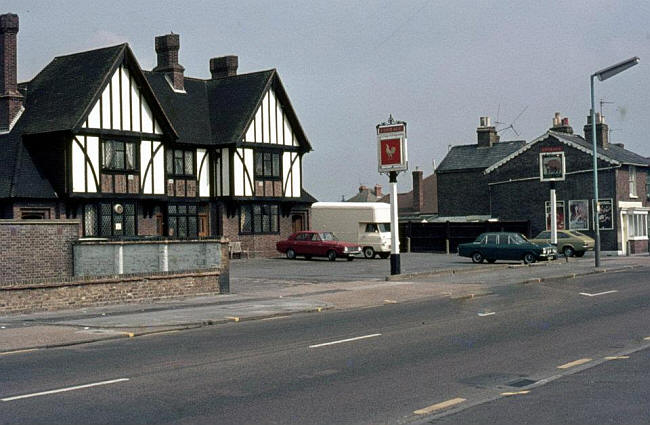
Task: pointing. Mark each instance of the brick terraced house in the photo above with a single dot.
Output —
(506, 184)
(151, 154)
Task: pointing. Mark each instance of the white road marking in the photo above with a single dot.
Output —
(598, 294)
(487, 314)
(61, 390)
(344, 340)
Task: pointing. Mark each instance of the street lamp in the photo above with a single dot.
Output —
(602, 75)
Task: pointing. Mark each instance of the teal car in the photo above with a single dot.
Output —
(510, 246)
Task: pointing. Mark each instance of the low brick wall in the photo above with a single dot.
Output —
(36, 249)
(21, 298)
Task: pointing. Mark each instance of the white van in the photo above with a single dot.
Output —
(364, 223)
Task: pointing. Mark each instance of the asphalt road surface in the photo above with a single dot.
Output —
(535, 353)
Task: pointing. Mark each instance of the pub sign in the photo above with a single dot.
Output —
(551, 164)
(391, 147)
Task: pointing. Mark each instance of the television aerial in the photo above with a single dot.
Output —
(510, 126)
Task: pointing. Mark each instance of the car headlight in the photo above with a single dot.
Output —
(346, 249)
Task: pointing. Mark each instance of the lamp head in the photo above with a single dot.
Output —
(610, 71)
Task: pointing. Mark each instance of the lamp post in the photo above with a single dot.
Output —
(602, 75)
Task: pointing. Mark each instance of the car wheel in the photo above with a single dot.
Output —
(477, 257)
(291, 254)
(568, 251)
(368, 252)
(580, 253)
(384, 255)
(529, 258)
(331, 255)
(491, 260)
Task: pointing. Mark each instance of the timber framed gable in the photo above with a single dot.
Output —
(117, 145)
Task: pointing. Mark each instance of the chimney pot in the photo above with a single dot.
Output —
(224, 66)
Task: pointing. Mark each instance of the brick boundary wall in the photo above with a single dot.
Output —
(21, 298)
(36, 249)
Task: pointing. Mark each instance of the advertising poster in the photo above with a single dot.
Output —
(605, 215)
(559, 215)
(579, 214)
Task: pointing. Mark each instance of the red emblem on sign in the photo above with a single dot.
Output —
(390, 152)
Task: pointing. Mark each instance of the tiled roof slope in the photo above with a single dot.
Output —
(466, 157)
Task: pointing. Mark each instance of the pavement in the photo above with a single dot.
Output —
(260, 299)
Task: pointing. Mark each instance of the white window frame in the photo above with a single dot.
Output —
(637, 225)
(632, 181)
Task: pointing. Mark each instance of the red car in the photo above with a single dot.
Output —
(317, 244)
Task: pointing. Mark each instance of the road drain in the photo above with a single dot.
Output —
(521, 383)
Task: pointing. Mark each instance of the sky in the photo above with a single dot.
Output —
(348, 65)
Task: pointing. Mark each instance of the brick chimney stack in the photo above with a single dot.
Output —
(11, 101)
(418, 190)
(378, 193)
(167, 47)
(224, 66)
(602, 131)
(486, 133)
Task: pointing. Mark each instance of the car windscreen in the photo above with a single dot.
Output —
(518, 239)
(384, 227)
(328, 236)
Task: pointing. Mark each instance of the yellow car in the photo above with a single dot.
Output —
(569, 242)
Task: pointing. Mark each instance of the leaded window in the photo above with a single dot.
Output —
(180, 162)
(119, 155)
(259, 219)
(267, 165)
(109, 219)
(182, 221)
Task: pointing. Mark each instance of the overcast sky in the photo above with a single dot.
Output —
(347, 65)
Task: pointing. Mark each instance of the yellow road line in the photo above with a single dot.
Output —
(439, 406)
(574, 363)
(647, 338)
(233, 318)
(617, 357)
(516, 393)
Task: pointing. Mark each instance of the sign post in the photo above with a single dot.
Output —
(551, 169)
(392, 158)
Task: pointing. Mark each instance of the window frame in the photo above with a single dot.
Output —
(171, 158)
(181, 211)
(261, 219)
(631, 179)
(268, 169)
(94, 211)
(105, 142)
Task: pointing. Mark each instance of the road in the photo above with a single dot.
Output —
(446, 361)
